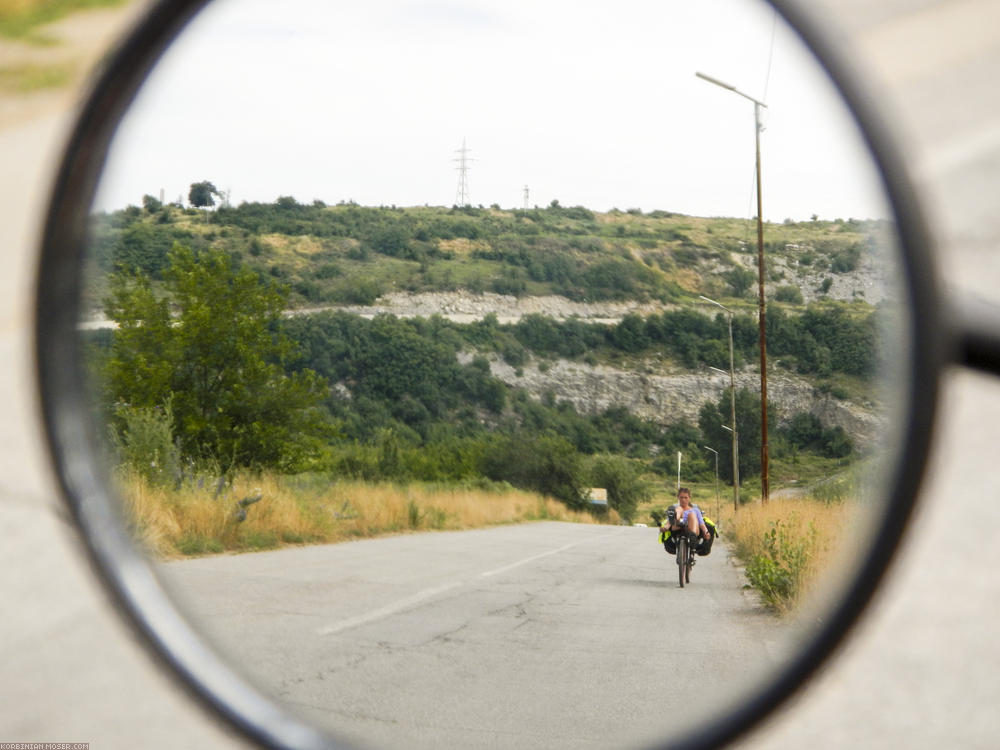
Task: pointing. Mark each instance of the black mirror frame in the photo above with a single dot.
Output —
(70, 429)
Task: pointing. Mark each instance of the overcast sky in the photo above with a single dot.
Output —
(589, 103)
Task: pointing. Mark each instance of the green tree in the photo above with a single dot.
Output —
(150, 204)
(203, 194)
(621, 478)
(740, 279)
(805, 431)
(219, 361)
(143, 247)
(393, 240)
(790, 294)
(544, 463)
(713, 416)
(396, 361)
(630, 334)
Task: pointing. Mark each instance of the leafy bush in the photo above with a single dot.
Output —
(144, 439)
(778, 571)
(198, 544)
(740, 280)
(789, 294)
(686, 257)
(361, 292)
(512, 285)
(846, 260)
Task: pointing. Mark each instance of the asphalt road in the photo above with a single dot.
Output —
(543, 635)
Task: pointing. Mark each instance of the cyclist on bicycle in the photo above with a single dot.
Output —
(688, 517)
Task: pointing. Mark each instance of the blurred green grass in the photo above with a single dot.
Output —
(25, 78)
(21, 19)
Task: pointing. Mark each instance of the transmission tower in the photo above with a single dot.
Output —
(462, 194)
(525, 197)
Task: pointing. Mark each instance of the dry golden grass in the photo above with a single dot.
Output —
(790, 542)
(193, 521)
(277, 242)
(10, 7)
(308, 247)
(19, 18)
(462, 246)
(688, 280)
(28, 77)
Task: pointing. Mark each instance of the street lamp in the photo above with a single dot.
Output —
(757, 104)
(716, 479)
(732, 401)
(736, 467)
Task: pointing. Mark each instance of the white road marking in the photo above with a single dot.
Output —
(409, 601)
(389, 609)
(539, 556)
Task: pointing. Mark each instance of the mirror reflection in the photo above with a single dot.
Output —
(408, 321)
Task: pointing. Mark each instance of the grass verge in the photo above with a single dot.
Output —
(785, 545)
(20, 19)
(198, 520)
(24, 79)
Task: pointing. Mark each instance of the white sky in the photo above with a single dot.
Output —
(590, 103)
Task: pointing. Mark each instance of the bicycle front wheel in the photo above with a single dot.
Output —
(682, 558)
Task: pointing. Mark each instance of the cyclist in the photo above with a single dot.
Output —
(689, 517)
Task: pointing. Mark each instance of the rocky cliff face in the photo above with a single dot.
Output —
(669, 398)
(662, 398)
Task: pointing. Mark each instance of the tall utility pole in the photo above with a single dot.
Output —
(732, 404)
(462, 194)
(761, 317)
(525, 197)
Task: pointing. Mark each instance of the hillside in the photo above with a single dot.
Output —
(352, 255)
(465, 343)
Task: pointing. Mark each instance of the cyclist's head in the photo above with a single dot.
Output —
(684, 491)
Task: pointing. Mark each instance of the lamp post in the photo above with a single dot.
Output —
(732, 401)
(757, 104)
(716, 479)
(736, 467)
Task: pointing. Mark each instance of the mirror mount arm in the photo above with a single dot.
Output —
(976, 323)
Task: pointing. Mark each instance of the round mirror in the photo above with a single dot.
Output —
(386, 335)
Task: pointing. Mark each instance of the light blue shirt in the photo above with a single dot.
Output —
(693, 509)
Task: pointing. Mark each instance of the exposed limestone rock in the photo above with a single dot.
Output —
(663, 398)
(462, 306)
(668, 398)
